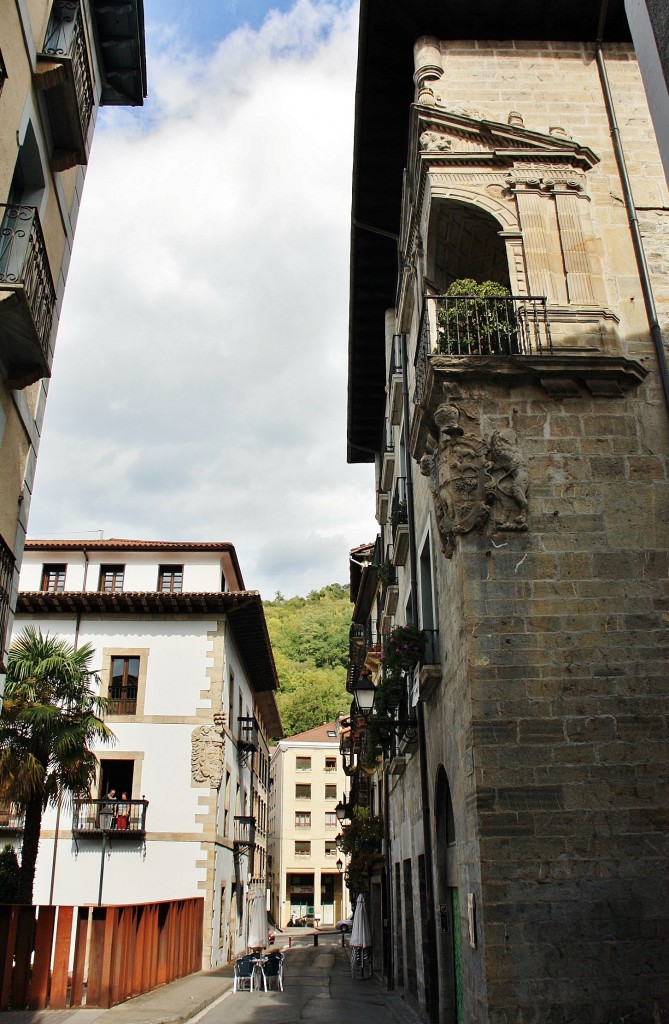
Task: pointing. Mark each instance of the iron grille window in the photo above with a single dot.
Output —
(111, 578)
(53, 578)
(170, 579)
(123, 685)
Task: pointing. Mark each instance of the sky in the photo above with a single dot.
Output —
(199, 381)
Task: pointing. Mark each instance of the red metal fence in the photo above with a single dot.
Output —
(57, 957)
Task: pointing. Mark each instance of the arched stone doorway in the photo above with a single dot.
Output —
(447, 895)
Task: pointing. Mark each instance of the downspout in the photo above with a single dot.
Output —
(637, 242)
(430, 967)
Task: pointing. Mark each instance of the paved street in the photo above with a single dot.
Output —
(318, 988)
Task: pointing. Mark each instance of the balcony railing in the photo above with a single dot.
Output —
(472, 325)
(431, 653)
(245, 831)
(6, 578)
(25, 272)
(398, 507)
(69, 89)
(125, 819)
(12, 817)
(248, 733)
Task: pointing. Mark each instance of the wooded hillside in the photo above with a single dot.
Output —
(310, 640)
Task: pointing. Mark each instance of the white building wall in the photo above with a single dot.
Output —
(187, 663)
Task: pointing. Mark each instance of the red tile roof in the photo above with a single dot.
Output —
(317, 735)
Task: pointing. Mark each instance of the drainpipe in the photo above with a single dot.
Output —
(644, 276)
(431, 978)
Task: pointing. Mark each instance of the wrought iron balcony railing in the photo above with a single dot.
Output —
(248, 733)
(6, 579)
(27, 296)
(395, 361)
(125, 819)
(472, 325)
(398, 507)
(431, 653)
(65, 76)
(12, 817)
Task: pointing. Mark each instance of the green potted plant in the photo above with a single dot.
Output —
(471, 322)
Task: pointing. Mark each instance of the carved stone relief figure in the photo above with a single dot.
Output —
(208, 753)
(509, 481)
(434, 142)
(473, 480)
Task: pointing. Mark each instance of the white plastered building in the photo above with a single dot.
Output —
(182, 650)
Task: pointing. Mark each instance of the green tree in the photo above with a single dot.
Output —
(51, 717)
(310, 642)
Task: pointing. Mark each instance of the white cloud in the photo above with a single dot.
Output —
(199, 386)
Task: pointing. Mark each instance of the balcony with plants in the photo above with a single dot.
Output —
(27, 297)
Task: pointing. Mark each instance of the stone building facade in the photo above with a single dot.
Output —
(60, 61)
(522, 438)
(183, 653)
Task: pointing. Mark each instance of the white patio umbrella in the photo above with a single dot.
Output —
(361, 933)
(258, 923)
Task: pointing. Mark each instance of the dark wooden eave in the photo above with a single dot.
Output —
(119, 27)
(384, 93)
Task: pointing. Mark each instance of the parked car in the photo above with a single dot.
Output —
(345, 925)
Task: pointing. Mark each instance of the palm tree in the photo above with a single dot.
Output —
(51, 716)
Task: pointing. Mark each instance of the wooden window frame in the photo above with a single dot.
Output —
(49, 570)
(307, 819)
(173, 575)
(115, 570)
(108, 654)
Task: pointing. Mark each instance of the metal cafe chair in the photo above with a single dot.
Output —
(244, 967)
(273, 970)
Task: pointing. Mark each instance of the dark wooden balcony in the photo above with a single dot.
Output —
(122, 819)
(63, 74)
(27, 297)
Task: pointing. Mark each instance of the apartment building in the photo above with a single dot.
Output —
(507, 374)
(60, 60)
(306, 873)
(182, 651)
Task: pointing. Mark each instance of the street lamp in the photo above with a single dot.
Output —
(364, 692)
(342, 811)
(340, 865)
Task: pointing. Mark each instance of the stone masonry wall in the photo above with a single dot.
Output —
(555, 639)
